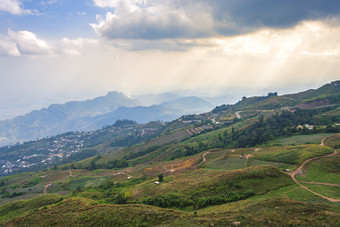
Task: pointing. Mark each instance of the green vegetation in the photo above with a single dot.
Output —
(78, 211)
(330, 191)
(333, 141)
(34, 181)
(160, 177)
(294, 154)
(220, 169)
(19, 208)
(256, 162)
(227, 164)
(201, 188)
(275, 212)
(324, 170)
(303, 139)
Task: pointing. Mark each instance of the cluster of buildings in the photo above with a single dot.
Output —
(45, 153)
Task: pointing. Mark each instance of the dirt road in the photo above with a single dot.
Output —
(203, 161)
(320, 183)
(45, 188)
(299, 171)
(246, 162)
(238, 116)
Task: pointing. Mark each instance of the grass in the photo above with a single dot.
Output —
(81, 212)
(270, 205)
(329, 191)
(22, 207)
(303, 139)
(256, 162)
(254, 212)
(207, 183)
(292, 154)
(85, 182)
(293, 192)
(325, 170)
(227, 164)
(174, 136)
(272, 212)
(333, 141)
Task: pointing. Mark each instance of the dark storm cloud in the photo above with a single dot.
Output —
(166, 19)
(252, 14)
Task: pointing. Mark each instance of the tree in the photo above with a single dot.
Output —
(225, 133)
(93, 165)
(160, 177)
(219, 137)
(120, 198)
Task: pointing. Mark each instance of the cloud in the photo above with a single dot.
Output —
(275, 14)
(165, 19)
(8, 47)
(309, 38)
(81, 13)
(48, 2)
(74, 47)
(28, 43)
(13, 7)
(153, 21)
(115, 3)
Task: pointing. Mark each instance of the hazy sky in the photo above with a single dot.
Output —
(58, 50)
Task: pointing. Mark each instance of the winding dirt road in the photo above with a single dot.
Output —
(45, 188)
(203, 161)
(246, 162)
(238, 116)
(320, 183)
(299, 171)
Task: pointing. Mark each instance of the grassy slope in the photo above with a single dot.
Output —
(202, 182)
(22, 207)
(272, 204)
(324, 170)
(329, 191)
(80, 211)
(333, 141)
(293, 154)
(303, 139)
(269, 212)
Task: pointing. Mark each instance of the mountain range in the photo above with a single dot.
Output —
(105, 110)
(96, 113)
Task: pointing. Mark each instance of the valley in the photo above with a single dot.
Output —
(262, 161)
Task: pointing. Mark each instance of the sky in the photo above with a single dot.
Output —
(52, 51)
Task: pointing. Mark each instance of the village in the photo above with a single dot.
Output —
(49, 153)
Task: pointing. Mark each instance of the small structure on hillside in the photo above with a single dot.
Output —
(156, 182)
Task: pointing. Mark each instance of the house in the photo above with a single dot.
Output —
(156, 182)
(310, 127)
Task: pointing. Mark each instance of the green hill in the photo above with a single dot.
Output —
(265, 161)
